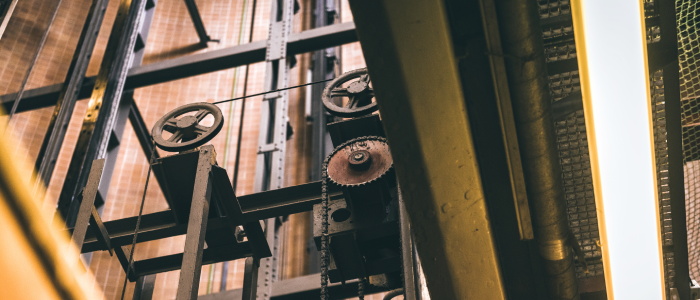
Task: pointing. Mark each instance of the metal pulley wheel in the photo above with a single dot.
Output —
(359, 92)
(360, 163)
(186, 131)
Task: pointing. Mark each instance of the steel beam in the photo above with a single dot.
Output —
(196, 64)
(6, 9)
(409, 56)
(198, 24)
(301, 288)
(87, 203)
(258, 206)
(143, 290)
(324, 64)
(102, 111)
(667, 60)
(68, 93)
(188, 285)
(272, 139)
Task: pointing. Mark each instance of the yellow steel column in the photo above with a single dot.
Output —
(409, 55)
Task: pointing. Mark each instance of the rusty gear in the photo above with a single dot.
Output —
(360, 161)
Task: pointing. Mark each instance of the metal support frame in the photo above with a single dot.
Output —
(272, 142)
(7, 7)
(668, 45)
(487, 99)
(324, 63)
(198, 24)
(431, 144)
(196, 64)
(102, 112)
(409, 280)
(144, 287)
(68, 95)
(188, 285)
(301, 288)
(87, 205)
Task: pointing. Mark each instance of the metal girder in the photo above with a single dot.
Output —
(87, 204)
(301, 288)
(102, 112)
(6, 9)
(198, 24)
(188, 285)
(196, 64)
(67, 96)
(409, 56)
(666, 59)
(258, 206)
(324, 64)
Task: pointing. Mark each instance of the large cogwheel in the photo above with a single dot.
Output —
(360, 162)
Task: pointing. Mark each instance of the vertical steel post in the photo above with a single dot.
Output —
(409, 281)
(144, 287)
(250, 278)
(6, 9)
(58, 125)
(102, 112)
(188, 284)
(324, 65)
(269, 170)
(86, 205)
(674, 142)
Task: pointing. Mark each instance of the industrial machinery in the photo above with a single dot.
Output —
(357, 221)
(358, 235)
(203, 206)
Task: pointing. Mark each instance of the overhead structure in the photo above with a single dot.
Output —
(204, 39)
(421, 103)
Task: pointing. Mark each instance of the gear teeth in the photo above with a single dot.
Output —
(353, 141)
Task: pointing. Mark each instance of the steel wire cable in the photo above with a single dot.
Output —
(15, 104)
(273, 91)
(138, 219)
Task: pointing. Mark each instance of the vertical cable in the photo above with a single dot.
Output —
(224, 269)
(34, 59)
(138, 219)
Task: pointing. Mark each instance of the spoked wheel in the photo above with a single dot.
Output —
(187, 132)
(359, 92)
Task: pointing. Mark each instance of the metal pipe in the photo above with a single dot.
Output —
(521, 35)
(393, 293)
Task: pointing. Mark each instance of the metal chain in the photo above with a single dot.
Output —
(361, 289)
(324, 232)
(401, 211)
(325, 256)
(138, 219)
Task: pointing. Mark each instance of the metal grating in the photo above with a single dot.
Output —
(561, 85)
(578, 189)
(688, 21)
(571, 138)
(553, 8)
(661, 156)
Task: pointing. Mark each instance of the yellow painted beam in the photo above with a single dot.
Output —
(409, 56)
(37, 260)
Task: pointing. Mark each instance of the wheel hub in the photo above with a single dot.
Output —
(358, 87)
(186, 122)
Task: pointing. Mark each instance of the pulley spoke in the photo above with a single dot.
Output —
(365, 78)
(339, 92)
(177, 136)
(201, 114)
(201, 129)
(353, 101)
(170, 125)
